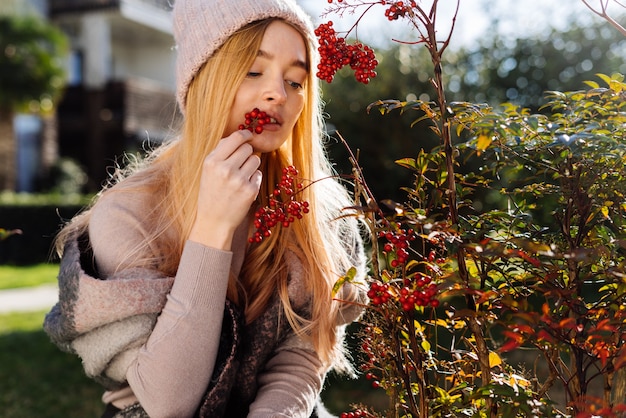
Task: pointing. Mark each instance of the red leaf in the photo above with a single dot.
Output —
(526, 257)
(524, 329)
(513, 336)
(605, 325)
(543, 335)
(509, 345)
(567, 323)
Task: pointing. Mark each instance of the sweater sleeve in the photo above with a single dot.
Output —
(172, 369)
(291, 382)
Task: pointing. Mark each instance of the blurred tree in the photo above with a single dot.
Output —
(380, 140)
(32, 75)
(520, 70)
(497, 70)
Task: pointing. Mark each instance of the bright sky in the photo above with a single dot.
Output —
(516, 18)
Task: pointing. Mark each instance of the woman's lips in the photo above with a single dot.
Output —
(257, 121)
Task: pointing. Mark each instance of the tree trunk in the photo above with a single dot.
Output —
(619, 387)
(8, 164)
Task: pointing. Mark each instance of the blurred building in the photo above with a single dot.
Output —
(120, 91)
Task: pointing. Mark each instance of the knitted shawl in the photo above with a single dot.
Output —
(105, 322)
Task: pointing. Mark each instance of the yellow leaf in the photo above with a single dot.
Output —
(482, 143)
(460, 324)
(494, 359)
(426, 346)
(472, 267)
(616, 86)
(605, 211)
(440, 322)
(418, 327)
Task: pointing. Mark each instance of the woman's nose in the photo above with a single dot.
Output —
(275, 91)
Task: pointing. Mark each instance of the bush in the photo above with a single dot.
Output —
(493, 308)
(39, 218)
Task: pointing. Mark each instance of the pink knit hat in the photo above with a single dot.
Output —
(202, 26)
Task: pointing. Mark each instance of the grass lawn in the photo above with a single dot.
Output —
(36, 378)
(27, 276)
(39, 380)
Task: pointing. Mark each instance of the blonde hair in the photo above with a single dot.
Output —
(325, 243)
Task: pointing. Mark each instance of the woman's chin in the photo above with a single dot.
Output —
(266, 142)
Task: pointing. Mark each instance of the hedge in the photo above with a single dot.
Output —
(39, 222)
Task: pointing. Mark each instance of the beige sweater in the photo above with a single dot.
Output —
(172, 369)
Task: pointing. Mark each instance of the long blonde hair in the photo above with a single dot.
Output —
(323, 242)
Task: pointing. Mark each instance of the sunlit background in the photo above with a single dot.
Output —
(116, 97)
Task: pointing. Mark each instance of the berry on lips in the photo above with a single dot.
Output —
(255, 120)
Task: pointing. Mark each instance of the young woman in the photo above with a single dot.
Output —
(163, 294)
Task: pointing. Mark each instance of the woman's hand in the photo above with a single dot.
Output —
(229, 184)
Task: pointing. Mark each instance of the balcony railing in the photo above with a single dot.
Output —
(67, 6)
(148, 108)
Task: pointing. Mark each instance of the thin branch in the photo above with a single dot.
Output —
(449, 37)
(603, 13)
(339, 10)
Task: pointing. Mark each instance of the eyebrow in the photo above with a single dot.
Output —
(295, 63)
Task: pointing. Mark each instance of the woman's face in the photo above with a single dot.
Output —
(274, 84)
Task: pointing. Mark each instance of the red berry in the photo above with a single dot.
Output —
(335, 53)
(279, 212)
(254, 121)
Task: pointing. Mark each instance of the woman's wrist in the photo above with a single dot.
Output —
(218, 236)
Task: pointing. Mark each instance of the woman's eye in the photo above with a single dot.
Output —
(253, 74)
(294, 84)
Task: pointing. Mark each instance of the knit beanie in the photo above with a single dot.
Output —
(202, 26)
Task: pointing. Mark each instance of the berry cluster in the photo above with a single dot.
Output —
(422, 293)
(397, 9)
(279, 212)
(255, 120)
(376, 351)
(378, 293)
(432, 258)
(397, 245)
(335, 53)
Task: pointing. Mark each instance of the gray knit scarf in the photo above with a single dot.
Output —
(106, 321)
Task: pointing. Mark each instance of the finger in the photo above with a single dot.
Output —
(232, 143)
(250, 165)
(241, 155)
(233, 149)
(255, 180)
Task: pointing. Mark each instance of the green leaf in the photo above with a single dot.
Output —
(407, 163)
(348, 277)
